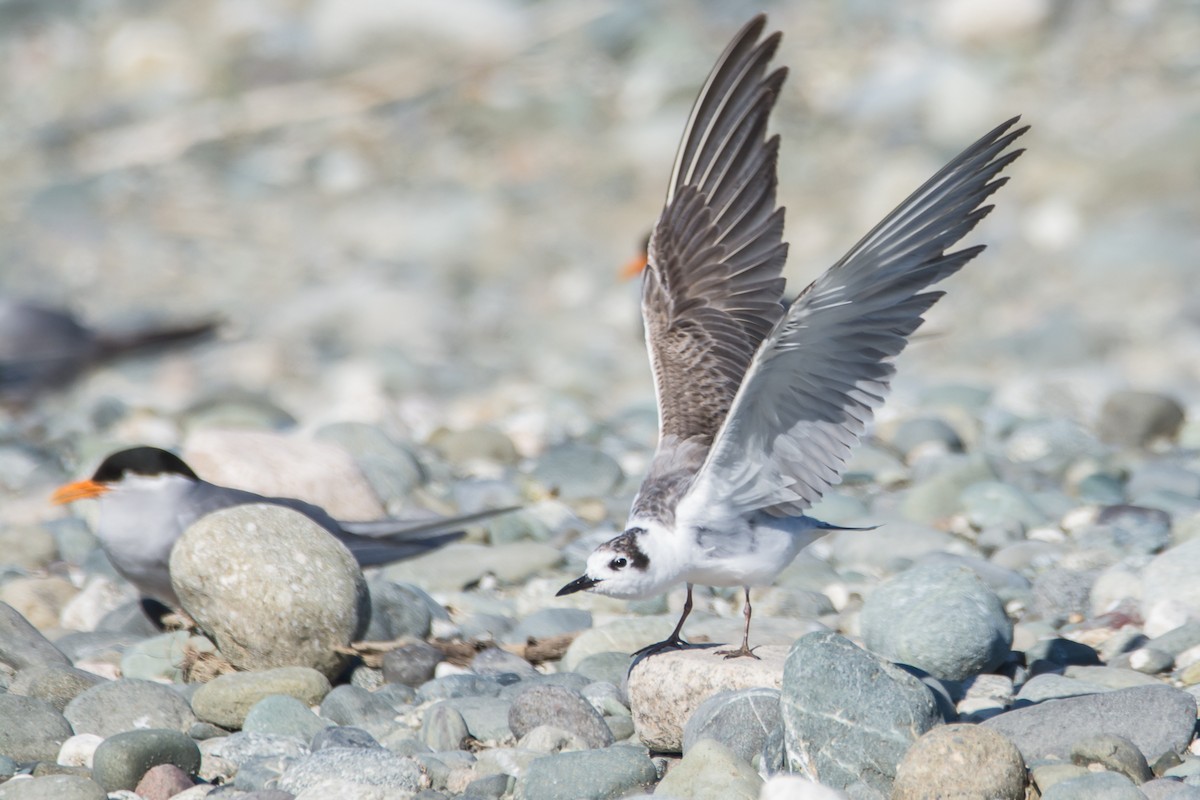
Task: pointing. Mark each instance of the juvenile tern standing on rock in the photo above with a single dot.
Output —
(759, 405)
(149, 497)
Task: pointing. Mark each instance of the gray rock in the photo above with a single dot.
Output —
(924, 433)
(31, 729)
(1110, 677)
(489, 787)
(397, 611)
(944, 621)
(937, 496)
(1158, 719)
(1114, 753)
(351, 705)
(464, 448)
(27, 547)
(128, 704)
(159, 658)
(257, 617)
(450, 686)
(711, 771)
(1177, 640)
(55, 683)
(1167, 789)
(601, 774)
(848, 715)
(1059, 593)
(22, 645)
(495, 661)
(1101, 489)
(562, 708)
(569, 680)
(411, 664)
(610, 667)
(1134, 419)
(121, 760)
(397, 695)
(227, 699)
(284, 716)
(241, 748)
(391, 468)
(548, 622)
(443, 728)
(576, 471)
(989, 503)
(934, 766)
(1094, 786)
(1061, 653)
(741, 721)
(1171, 576)
(342, 736)
(1126, 529)
(53, 787)
(367, 767)
(486, 717)
(1051, 686)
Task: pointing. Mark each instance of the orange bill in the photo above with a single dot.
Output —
(633, 267)
(79, 490)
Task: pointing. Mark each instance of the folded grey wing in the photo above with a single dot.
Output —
(818, 377)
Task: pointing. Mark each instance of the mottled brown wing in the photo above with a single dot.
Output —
(712, 287)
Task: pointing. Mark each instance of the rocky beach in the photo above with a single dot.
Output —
(407, 221)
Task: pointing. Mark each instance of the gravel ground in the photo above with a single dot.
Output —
(409, 218)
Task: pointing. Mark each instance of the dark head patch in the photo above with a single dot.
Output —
(141, 461)
(627, 545)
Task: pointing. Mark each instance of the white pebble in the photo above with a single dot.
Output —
(78, 750)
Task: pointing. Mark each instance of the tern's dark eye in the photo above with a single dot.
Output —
(618, 563)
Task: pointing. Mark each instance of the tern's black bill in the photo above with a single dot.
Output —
(577, 585)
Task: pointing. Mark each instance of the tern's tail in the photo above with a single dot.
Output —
(111, 345)
(385, 540)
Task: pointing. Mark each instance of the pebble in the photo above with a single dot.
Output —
(610, 772)
(22, 645)
(443, 728)
(1157, 719)
(711, 771)
(257, 617)
(1170, 577)
(609, 667)
(31, 729)
(561, 707)
(284, 716)
(740, 720)
(1094, 786)
(496, 661)
(227, 699)
(944, 621)
(784, 786)
(1135, 419)
(57, 684)
(342, 736)
(960, 761)
(127, 704)
(551, 739)
(355, 706)
(666, 689)
(163, 782)
(162, 657)
(1114, 753)
(122, 760)
(577, 471)
(486, 717)
(53, 787)
(40, 599)
(397, 611)
(849, 716)
(367, 766)
(411, 664)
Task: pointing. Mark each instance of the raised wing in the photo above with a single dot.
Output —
(817, 379)
(712, 288)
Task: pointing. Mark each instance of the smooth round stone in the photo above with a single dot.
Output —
(165, 781)
(78, 750)
(31, 729)
(227, 699)
(121, 760)
(944, 621)
(549, 622)
(465, 685)
(464, 448)
(1114, 753)
(397, 611)
(614, 771)
(343, 736)
(711, 771)
(1101, 489)
(568, 680)
(22, 645)
(53, 787)
(1167, 789)
(1050, 445)
(1129, 529)
(55, 683)
(28, 547)
(1061, 652)
(161, 657)
(740, 720)
(1157, 719)
(1171, 576)
(296, 613)
(1094, 786)
(40, 599)
(937, 496)
(1134, 419)
(366, 766)
(411, 664)
(443, 728)
(283, 716)
(351, 705)
(551, 739)
(495, 661)
(1060, 593)
(925, 433)
(127, 704)
(561, 707)
(849, 715)
(242, 748)
(489, 787)
(486, 717)
(577, 471)
(937, 766)
(995, 503)
(611, 667)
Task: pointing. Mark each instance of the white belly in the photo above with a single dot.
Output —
(755, 557)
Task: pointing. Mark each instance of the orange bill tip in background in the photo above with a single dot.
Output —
(634, 266)
(79, 490)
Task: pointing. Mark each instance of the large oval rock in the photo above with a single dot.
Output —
(665, 689)
(562, 707)
(961, 761)
(272, 587)
(30, 729)
(740, 720)
(226, 700)
(848, 715)
(128, 704)
(120, 761)
(945, 621)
